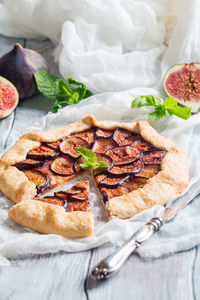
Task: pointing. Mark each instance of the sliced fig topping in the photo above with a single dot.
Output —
(153, 157)
(42, 153)
(124, 137)
(28, 164)
(101, 145)
(77, 168)
(110, 181)
(54, 145)
(53, 200)
(123, 155)
(149, 171)
(104, 133)
(132, 168)
(62, 166)
(61, 195)
(128, 186)
(87, 135)
(107, 159)
(70, 145)
(142, 145)
(41, 180)
(79, 192)
(108, 193)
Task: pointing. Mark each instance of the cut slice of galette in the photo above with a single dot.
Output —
(67, 213)
(144, 168)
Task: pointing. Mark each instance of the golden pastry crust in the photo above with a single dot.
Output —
(171, 180)
(53, 219)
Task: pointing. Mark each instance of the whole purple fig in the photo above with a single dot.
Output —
(19, 65)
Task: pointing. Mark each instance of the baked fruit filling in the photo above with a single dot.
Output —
(74, 199)
(131, 162)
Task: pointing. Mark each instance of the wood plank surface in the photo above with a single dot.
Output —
(65, 275)
(166, 278)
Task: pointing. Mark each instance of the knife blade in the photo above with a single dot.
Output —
(113, 262)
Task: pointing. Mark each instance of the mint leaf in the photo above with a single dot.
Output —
(91, 159)
(168, 108)
(87, 154)
(158, 113)
(46, 84)
(58, 90)
(145, 101)
(181, 112)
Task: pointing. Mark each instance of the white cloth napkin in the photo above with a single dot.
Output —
(181, 233)
(112, 46)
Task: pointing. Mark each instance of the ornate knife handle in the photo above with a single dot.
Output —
(112, 263)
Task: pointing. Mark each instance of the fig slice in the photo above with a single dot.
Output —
(40, 179)
(53, 200)
(54, 145)
(42, 153)
(62, 166)
(123, 155)
(9, 97)
(110, 181)
(28, 164)
(132, 168)
(153, 157)
(141, 145)
(86, 135)
(101, 145)
(104, 133)
(124, 137)
(149, 171)
(69, 146)
(182, 82)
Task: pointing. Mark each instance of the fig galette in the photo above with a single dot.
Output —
(144, 168)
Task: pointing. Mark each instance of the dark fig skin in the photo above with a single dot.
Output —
(19, 65)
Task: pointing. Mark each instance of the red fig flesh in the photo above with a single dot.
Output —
(19, 65)
(9, 97)
(182, 82)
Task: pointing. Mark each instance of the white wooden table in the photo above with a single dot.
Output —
(64, 275)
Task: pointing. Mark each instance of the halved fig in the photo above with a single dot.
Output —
(101, 145)
(41, 180)
(9, 97)
(123, 155)
(42, 153)
(110, 181)
(132, 168)
(62, 166)
(28, 164)
(86, 135)
(53, 200)
(54, 145)
(124, 137)
(182, 82)
(104, 133)
(153, 157)
(70, 145)
(149, 171)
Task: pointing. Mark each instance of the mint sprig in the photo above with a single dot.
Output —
(60, 91)
(91, 159)
(168, 108)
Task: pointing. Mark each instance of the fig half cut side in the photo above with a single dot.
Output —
(182, 82)
(9, 97)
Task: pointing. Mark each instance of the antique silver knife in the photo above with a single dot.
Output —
(112, 263)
